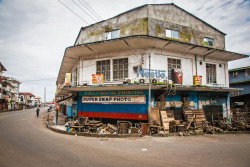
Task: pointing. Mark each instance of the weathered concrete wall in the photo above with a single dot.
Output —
(153, 20)
(132, 23)
(191, 29)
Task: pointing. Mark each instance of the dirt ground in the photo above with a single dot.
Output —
(25, 141)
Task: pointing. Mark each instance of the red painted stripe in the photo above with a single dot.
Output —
(114, 115)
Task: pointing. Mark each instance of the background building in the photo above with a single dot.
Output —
(2, 97)
(240, 78)
(27, 100)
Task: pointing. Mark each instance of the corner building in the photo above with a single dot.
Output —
(186, 56)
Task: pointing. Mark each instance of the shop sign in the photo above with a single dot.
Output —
(197, 80)
(113, 93)
(67, 79)
(114, 99)
(153, 73)
(97, 78)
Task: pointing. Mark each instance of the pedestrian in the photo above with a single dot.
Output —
(37, 111)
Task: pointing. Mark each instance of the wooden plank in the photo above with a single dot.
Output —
(166, 117)
(155, 116)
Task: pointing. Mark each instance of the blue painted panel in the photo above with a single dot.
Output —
(242, 76)
(244, 86)
(113, 108)
(70, 112)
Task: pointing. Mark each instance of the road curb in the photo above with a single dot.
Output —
(137, 135)
(93, 134)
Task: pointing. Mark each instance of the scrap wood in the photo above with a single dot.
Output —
(155, 116)
(112, 127)
(190, 122)
(166, 117)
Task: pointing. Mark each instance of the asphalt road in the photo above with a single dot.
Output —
(25, 142)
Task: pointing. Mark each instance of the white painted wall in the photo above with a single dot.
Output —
(159, 61)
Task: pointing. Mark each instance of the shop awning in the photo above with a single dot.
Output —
(66, 90)
(97, 49)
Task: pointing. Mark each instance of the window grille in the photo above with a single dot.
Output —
(173, 64)
(211, 73)
(103, 67)
(120, 69)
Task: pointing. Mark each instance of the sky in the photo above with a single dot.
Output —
(34, 34)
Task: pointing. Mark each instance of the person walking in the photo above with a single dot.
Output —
(37, 111)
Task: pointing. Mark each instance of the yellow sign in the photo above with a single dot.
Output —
(97, 78)
(67, 79)
(197, 80)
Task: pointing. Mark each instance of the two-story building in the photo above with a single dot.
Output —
(2, 97)
(240, 78)
(11, 92)
(154, 55)
(27, 100)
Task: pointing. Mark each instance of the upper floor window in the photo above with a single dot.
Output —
(172, 33)
(120, 69)
(208, 41)
(247, 72)
(112, 34)
(236, 74)
(173, 64)
(74, 77)
(103, 67)
(211, 73)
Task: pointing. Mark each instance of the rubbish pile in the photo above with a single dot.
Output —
(84, 124)
(163, 122)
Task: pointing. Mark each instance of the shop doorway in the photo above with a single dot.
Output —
(213, 112)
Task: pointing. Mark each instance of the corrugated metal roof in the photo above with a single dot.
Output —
(241, 68)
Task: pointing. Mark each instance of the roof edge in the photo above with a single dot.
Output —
(241, 68)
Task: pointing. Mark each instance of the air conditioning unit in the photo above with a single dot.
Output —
(153, 81)
(142, 80)
(129, 80)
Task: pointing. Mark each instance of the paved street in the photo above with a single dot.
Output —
(24, 141)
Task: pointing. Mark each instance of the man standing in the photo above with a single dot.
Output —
(37, 111)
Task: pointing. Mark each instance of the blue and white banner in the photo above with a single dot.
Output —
(114, 99)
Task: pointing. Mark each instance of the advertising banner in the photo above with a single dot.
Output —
(97, 78)
(67, 79)
(197, 80)
(114, 99)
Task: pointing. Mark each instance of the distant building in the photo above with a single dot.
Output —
(240, 78)
(2, 97)
(38, 101)
(27, 100)
(11, 92)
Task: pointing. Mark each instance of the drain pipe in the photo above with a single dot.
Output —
(149, 90)
(195, 64)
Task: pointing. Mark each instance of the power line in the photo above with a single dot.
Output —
(90, 8)
(38, 80)
(73, 12)
(84, 11)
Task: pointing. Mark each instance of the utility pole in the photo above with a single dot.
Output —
(45, 95)
(149, 90)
